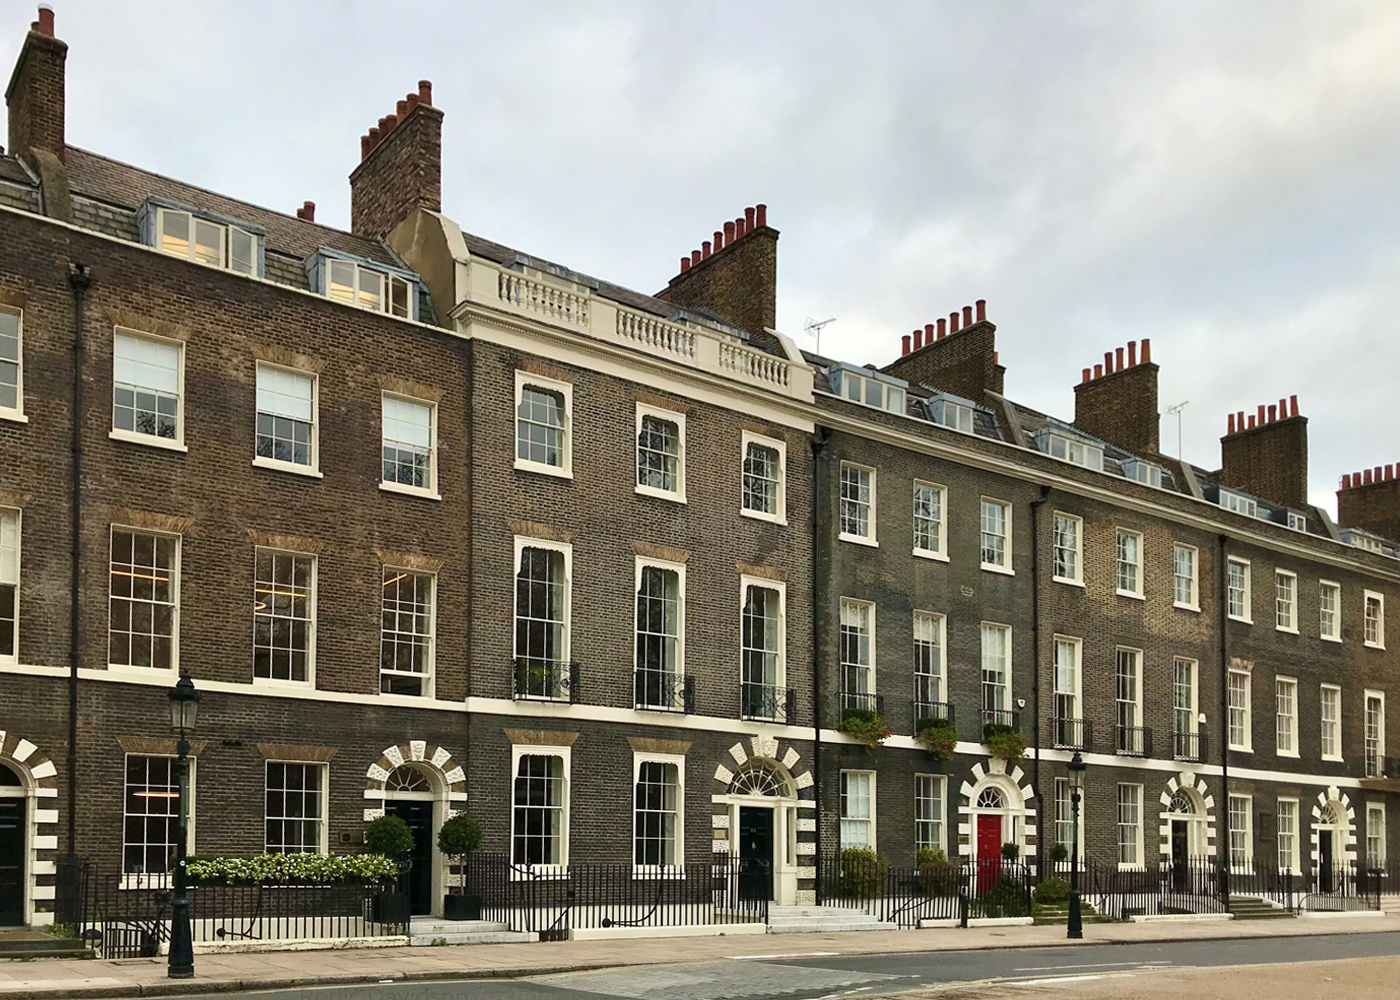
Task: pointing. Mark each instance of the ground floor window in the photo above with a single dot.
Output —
(656, 836)
(1130, 825)
(928, 811)
(151, 816)
(539, 833)
(295, 808)
(1288, 835)
(1241, 831)
(1375, 834)
(857, 813)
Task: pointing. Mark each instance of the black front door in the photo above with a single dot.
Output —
(755, 852)
(11, 861)
(419, 817)
(1325, 873)
(1180, 853)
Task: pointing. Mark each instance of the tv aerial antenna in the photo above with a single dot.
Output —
(1176, 412)
(813, 327)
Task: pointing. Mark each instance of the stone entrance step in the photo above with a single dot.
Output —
(1254, 908)
(809, 919)
(430, 931)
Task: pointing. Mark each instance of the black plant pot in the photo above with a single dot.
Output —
(461, 907)
(389, 908)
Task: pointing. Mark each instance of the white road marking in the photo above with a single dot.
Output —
(1095, 965)
(1070, 979)
(801, 954)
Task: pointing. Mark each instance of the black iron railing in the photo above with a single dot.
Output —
(1071, 734)
(859, 701)
(767, 702)
(1189, 746)
(1134, 741)
(664, 691)
(892, 894)
(995, 720)
(929, 712)
(546, 680)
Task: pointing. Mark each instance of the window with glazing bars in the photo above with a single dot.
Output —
(855, 501)
(1331, 721)
(658, 638)
(295, 808)
(538, 834)
(1329, 602)
(1129, 562)
(406, 632)
(11, 360)
(539, 426)
(928, 658)
(656, 806)
(856, 811)
(996, 642)
(761, 652)
(540, 627)
(994, 534)
(206, 242)
(1375, 736)
(928, 812)
(9, 583)
(283, 614)
(1184, 719)
(357, 285)
(144, 595)
(146, 387)
(1286, 714)
(151, 818)
(1285, 600)
(1130, 824)
(1287, 830)
(1184, 576)
(1130, 735)
(286, 416)
(1241, 834)
(762, 477)
(855, 648)
(408, 443)
(1375, 620)
(658, 454)
(1067, 718)
(928, 518)
(1238, 704)
(1066, 547)
(1237, 589)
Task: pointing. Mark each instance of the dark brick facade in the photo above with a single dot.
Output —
(1121, 407)
(1269, 459)
(739, 283)
(964, 363)
(1373, 506)
(401, 170)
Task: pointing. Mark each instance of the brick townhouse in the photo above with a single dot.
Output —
(607, 568)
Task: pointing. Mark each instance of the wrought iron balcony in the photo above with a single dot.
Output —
(1071, 734)
(926, 712)
(1001, 717)
(1134, 741)
(767, 702)
(546, 680)
(665, 691)
(1189, 746)
(851, 702)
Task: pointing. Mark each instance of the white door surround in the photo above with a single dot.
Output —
(38, 785)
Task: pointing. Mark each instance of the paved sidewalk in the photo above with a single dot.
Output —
(43, 979)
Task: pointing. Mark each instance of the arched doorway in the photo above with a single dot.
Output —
(409, 794)
(762, 802)
(1330, 832)
(996, 818)
(14, 847)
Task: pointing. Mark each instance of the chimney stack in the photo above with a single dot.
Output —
(35, 102)
(400, 169)
(1371, 500)
(959, 358)
(734, 276)
(1118, 402)
(307, 211)
(1267, 454)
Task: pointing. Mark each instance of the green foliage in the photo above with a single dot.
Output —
(939, 737)
(863, 872)
(459, 836)
(937, 875)
(1007, 743)
(1059, 852)
(1052, 891)
(388, 836)
(928, 855)
(864, 725)
(293, 869)
(1010, 851)
(66, 931)
(1007, 898)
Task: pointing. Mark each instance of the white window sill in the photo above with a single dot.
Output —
(675, 496)
(1287, 753)
(1290, 631)
(558, 471)
(1003, 570)
(401, 699)
(1330, 638)
(150, 880)
(1329, 758)
(929, 554)
(409, 491)
(130, 671)
(292, 467)
(1122, 867)
(1375, 645)
(14, 416)
(149, 440)
(1065, 580)
(521, 872)
(1243, 621)
(1187, 607)
(759, 515)
(1132, 594)
(1237, 749)
(859, 540)
(277, 682)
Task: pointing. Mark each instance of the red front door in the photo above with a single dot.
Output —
(988, 850)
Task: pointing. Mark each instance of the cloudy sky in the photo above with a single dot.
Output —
(1223, 178)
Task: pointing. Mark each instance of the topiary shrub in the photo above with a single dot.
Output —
(938, 737)
(863, 873)
(459, 837)
(1052, 892)
(937, 875)
(1010, 851)
(1058, 853)
(388, 836)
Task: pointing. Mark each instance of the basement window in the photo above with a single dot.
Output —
(1239, 503)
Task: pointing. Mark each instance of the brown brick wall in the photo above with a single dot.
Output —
(35, 98)
(399, 176)
(739, 283)
(1121, 409)
(1270, 461)
(1373, 506)
(962, 363)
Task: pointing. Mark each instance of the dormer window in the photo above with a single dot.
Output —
(1363, 541)
(950, 414)
(1239, 503)
(367, 288)
(1144, 472)
(1298, 522)
(1071, 450)
(867, 390)
(205, 238)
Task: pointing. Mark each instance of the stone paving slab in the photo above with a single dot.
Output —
(49, 979)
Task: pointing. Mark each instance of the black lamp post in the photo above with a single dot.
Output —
(184, 709)
(1076, 768)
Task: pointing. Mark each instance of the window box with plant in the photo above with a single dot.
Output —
(1006, 742)
(459, 838)
(865, 726)
(938, 736)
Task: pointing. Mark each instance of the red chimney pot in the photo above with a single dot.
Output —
(906, 343)
(953, 322)
(1108, 362)
(1366, 477)
(1389, 472)
(928, 333)
(1132, 354)
(1085, 377)
(740, 230)
(425, 92)
(996, 357)
(967, 316)
(373, 138)
(44, 25)
(685, 263)
(1261, 415)
(719, 241)
(1346, 481)
(918, 337)
(401, 109)
(1098, 371)
(1273, 413)
(1118, 359)
(750, 214)
(364, 146)
(308, 211)
(981, 310)
(942, 328)
(1293, 405)
(1251, 421)
(705, 248)
(760, 215)
(1146, 351)
(694, 257)
(1231, 428)
(412, 101)
(728, 233)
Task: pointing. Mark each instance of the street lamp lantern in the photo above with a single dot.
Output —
(184, 710)
(1076, 768)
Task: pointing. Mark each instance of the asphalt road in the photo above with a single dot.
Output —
(836, 977)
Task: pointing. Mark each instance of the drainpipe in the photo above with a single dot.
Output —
(1224, 607)
(1035, 671)
(820, 559)
(79, 277)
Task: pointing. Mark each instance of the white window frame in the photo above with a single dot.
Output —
(677, 868)
(642, 563)
(323, 820)
(430, 672)
(312, 630)
(1375, 833)
(1246, 710)
(1006, 567)
(1286, 622)
(940, 625)
(1076, 694)
(1291, 860)
(1007, 682)
(1246, 834)
(1246, 598)
(1119, 562)
(871, 538)
(522, 542)
(314, 468)
(559, 868)
(1135, 657)
(869, 668)
(660, 413)
(136, 437)
(1335, 588)
(1076, 577)
(762, 582)
(1195, 667)
(225, 240)
(16, 412)
(1371, 694)
(430, 491)
(175, 609)
(161, 880)
(1323, 691)
(386, 297)
(940, 784)
(1379, 641)
(844, 819)
(1063, 785)
(746, 439)
(565, 469)
(1286, 686)
(1136, 826)
(941, 492)
(14, 536)
(1195, 603)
